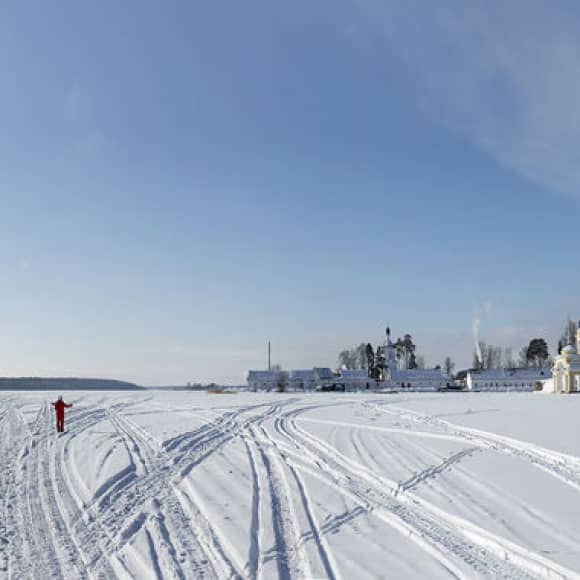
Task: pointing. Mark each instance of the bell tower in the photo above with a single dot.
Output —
(390, 353)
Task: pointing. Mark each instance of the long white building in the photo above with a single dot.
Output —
(295, 380)
(262, 380)
(418, 380)
(323, 378)
(525, 379)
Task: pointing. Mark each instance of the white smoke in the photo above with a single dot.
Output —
(475, 329)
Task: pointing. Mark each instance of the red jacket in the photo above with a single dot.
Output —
(59, 407)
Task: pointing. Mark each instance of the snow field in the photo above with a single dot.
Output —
(252, 485)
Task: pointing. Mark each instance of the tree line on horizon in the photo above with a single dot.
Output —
(533, 355)
(485, 356)
(357, 358)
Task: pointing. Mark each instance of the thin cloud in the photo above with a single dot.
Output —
(502, 74)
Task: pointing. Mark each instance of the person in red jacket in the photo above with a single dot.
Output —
(59, 407)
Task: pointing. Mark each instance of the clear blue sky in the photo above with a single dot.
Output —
(182, 181)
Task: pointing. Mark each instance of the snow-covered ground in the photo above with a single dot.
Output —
(189, 485)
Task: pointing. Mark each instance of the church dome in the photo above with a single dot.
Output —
(570, 349)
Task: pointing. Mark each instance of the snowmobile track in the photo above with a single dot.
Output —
(452, 537)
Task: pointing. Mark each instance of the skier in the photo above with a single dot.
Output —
(59, 407)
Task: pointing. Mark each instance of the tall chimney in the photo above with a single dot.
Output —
(269, 356)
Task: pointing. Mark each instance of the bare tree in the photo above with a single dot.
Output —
(448, 366)
(494, 355)
(354, 358)
(523, 361)
(347, 359)
(487, 356)
(569, 333)
(361, 356)
(508, 358)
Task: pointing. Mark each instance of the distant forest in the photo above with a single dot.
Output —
(64, 384)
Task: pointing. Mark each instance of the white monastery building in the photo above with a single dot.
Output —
(302, 379)
(563, 377)
(356, 380)
(418, 379)
(323, 378)
(410, 379)
(525, 379)
(262, 380)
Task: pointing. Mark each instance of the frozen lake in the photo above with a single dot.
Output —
(192, 485)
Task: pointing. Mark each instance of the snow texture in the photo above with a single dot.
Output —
(256, 485)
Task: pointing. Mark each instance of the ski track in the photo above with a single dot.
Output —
(11, 543)
(564, 467)
(445, 536)
(63, 535)
(253, 568)
(160, 480)
(456, 489)
(175, 546)
(325, 554)
(290, 559)
(434, 470)
(53, 550)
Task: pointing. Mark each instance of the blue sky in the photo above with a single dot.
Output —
(183, 181)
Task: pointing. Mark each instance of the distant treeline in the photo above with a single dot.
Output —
(64, 384)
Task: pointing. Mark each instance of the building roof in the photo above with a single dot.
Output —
(302, 374)
(324, 373)
(262, 375)
(354, 374)
(418, 375)
(513, 374)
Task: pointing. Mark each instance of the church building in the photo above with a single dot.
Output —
(566, 369)
(398, 376)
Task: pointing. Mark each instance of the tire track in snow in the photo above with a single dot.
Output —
(91, 559)
(161, 462)
(41, 549)
(13, 563)
(456, 490)
(233, 425)
(90, 525)
(290, 559)
(443, 535)
(253, 567)
(88, 522)
(160, 528)
(124, 501)
(434, 470)
(185, 451)
(325, 554)
(53, 551)
(98, 562)
(286, 551)
(52, 525)
(564, 467)
(166, 525)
